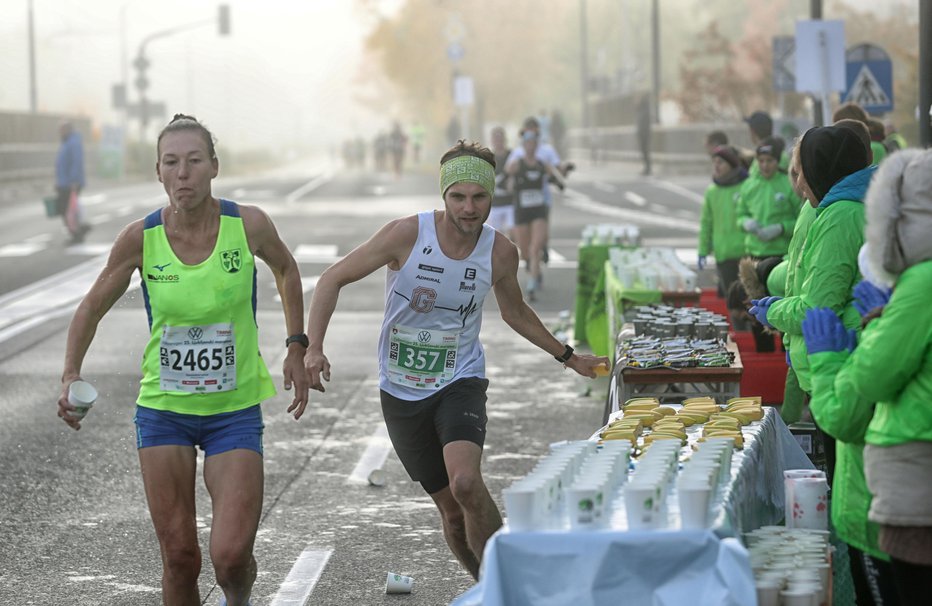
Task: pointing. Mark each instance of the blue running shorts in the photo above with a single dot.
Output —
(214, 434)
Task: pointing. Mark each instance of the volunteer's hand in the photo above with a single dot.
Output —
(759, 309)
(769, 232)
(868, 297)
(701, 262)
(750, 225)
(823, 331)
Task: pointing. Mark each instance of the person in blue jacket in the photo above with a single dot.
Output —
(69, 179)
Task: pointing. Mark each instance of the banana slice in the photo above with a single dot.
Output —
(752, 399)
(699, 400)
(665, 410)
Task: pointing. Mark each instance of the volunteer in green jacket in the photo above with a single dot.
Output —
(835, 174)
(892, 366)
(718, 231)
(768, 206)
(203, 376)
(760, 127)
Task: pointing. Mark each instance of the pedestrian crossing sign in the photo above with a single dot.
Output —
(869, 75)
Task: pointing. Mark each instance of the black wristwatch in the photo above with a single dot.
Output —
(298, 338)
(565, 356)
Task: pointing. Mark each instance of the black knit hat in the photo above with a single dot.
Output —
(828, 154)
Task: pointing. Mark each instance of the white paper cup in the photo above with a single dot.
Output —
(768, 593)
(82, 396)
(694, 504)
(396, 583)
(377, 477)
(584, 505)
(798, 597)
(521, 503)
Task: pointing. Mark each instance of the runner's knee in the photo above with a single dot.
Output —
(466, 487)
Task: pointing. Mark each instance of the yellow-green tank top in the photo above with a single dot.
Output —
(203, 353)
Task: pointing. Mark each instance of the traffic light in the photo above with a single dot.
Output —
(223, 19)
(141, 64)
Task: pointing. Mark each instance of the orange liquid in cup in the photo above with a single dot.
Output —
(601, 370)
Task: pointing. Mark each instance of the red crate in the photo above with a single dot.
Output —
(764, 375)
(710, 300)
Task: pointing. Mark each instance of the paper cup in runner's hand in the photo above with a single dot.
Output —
(82, 396)
(396, 583)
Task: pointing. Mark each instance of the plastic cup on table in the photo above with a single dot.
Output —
(694, 501)
(521, 505)
(768, 592)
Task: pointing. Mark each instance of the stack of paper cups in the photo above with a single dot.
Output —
(806, 499)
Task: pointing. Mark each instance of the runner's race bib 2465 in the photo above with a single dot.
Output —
(198, 359)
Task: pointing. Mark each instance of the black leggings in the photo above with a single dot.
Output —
(913, 582)
(873, 579)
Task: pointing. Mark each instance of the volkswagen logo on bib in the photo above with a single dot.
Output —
(424, 336)
(195, 333)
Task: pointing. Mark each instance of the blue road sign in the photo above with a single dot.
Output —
(869, 78)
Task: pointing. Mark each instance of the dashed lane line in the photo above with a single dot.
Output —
(303, 577)
(374, 456)
(584, 203)
(680, 190)
(635, 199)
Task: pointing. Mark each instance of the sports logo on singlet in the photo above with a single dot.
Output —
(423, 299)
(231, 260)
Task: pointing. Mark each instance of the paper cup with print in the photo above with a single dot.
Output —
(82, 396)
(397, 583)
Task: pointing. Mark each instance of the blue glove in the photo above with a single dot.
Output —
(852, 339)
(868, 297)
(759, 309)
(701, 262)
(750, 225)
(823, 331)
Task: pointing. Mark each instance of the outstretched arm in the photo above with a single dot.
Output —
(268, 246)
(389, 246)
(519, 315)
(125, 258)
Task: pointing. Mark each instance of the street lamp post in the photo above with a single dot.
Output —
(33, 95)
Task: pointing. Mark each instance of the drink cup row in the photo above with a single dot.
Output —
(698, 487)
(791, 565)
(569, 488)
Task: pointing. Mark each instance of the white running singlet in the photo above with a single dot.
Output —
(433, 312)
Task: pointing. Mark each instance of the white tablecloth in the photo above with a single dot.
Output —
(657, 567)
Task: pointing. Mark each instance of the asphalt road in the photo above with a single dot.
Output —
(73, 520)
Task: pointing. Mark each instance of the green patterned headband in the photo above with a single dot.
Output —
(467, 168)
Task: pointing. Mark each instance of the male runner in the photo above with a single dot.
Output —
(441, 264)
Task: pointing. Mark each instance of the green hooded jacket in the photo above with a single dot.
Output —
(892, 364)
(718, 231)
(768, 201)
(845, 418)
(828, 267)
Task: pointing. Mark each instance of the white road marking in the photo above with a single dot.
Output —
(308, 187)
(583, 202)
(606, 187)
(682, 212)
(556, 257)
(21, 249)
(374, 456)
(659, 208)
(635, 199)
(98, 219)
(88, 249)
(50, 297)
(46, 237)
(302, 578)
(316, 253)
(307, 283)
(680, 190)
(93, 200)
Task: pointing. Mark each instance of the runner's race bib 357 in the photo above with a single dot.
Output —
(421, 358)
(198, 359)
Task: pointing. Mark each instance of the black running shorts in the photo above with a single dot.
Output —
(420, 429)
